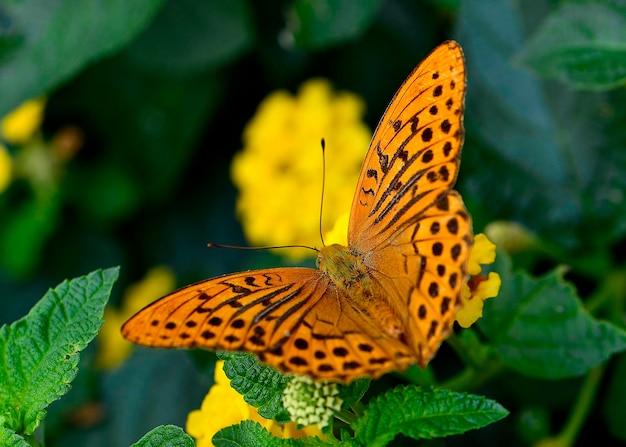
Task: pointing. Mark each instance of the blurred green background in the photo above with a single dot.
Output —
(160, 91)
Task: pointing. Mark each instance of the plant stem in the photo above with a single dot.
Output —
(345, 416)
(580, 411)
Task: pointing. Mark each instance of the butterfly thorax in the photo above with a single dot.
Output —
(348, 271)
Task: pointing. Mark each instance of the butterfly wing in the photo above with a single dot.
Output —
(405, 212)
(414, 155)
(292, 318)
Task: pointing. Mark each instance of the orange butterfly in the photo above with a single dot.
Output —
(385, 301)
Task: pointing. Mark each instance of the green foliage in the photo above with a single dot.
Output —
(73, 33)
(250, 434)
(161, 90)
(582, 44)
(415, 412)
(261, 385)
(324, 23)
(40, 352)
(165, 436)
(554, 154)
(424, 413)
(542, 330)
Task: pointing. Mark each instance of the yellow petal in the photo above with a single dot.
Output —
(6, 168)
(483, 252)
(19, 126)
(473, 300)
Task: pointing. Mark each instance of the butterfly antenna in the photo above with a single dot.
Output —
(323, 187)
(269, 247)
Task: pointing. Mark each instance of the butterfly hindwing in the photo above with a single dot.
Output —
(337, 341)
(424, 283)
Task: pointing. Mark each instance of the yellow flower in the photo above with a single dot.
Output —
(479, 287)
(214, 415)
(19, 126)
(113, 349)
(6, 168)
(279, 171)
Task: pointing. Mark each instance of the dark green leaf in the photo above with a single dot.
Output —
(556, 157)
(251, 434)
(423, 413)
(320, 23)
(355, 390)
(261, 385)
(39, 353)
(59, 38)
(540, 328)
(165, 436)
(583, 44)
(188, 36)
(248, 434)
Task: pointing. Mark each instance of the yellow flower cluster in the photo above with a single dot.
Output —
(113, 349)
(213, 415)
(279, 171)
(480, 287)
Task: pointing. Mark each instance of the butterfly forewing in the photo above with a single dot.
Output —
(242, 311)
(415, 151)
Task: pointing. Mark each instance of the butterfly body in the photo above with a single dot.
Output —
(385, 301)
(348, 271)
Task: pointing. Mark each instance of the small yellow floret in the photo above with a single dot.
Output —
(19, 126)
(480, 287)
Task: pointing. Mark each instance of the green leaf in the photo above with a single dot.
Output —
(165, 436)
(321, 23)
(583, 44)
(423, 413)
(249, 434)
(540, 328)
(614, 407)
(188, 36)
(261, 386)
(556, 157)
(39, 353)
(8, 438)
(355, 391)
(57, 39)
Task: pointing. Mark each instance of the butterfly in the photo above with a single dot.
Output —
(385, 301)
